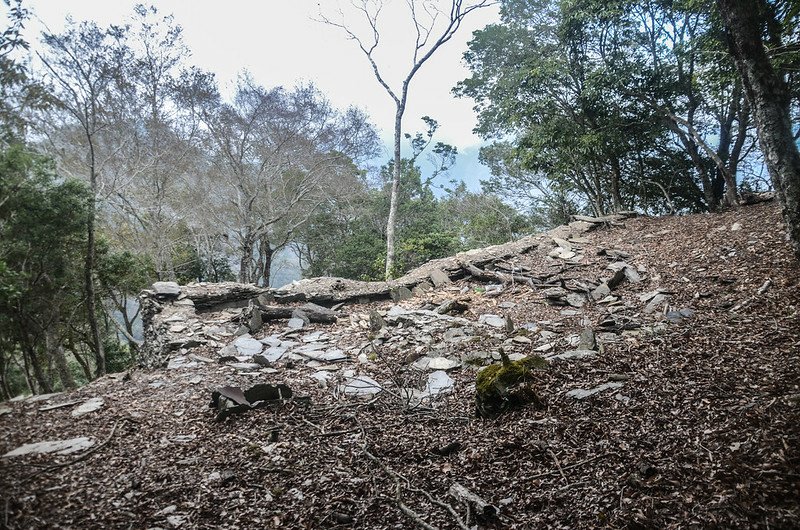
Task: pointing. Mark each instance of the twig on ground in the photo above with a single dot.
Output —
(571, 466)
(397, 477)
(558, 465)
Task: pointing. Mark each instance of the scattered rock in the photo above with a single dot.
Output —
(580, 393)
(88, 406)
(360, 386)
(492, 320)
(247, 345)
(443, 363)
(166, 290)
(439, 278)
(438, 382)
(573, 354)
(655, 304)
(295, 323)
(61, 447)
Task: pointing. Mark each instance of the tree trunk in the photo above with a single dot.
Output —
(38, 374)
(55, 350)
(246, 260)
(398, 123)
(770, 103)
(91, 302)
(616, 177)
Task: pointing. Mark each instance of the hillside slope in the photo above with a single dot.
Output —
(672, 400)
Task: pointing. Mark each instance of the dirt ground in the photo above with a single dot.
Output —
(700, 430)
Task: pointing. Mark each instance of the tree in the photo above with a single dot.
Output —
(42, 232)
(617, 104)
(428, 37)
(769, 97)
(279, 156)
(84, 64)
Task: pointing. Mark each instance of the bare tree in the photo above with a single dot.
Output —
(276, 156)
(84, 64)
(429, 35)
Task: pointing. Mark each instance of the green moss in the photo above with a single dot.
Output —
(502, 386)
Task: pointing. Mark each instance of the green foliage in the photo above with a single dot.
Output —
(118, 355)
(587, 93)
(348, 240)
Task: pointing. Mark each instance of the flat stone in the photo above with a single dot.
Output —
(330, 356)
(271, 341)
(580, 393)
(492, 320)
(573, 354)
(61, 447)
(362, 385)
(247, 345)
(438, 382)
(443, 363)
(88, 406)
(167, 289)
(245, 367)
(5, 410)
(576, 300)
(562, 243)
(439, 278)
(655, 304)
(295, 323)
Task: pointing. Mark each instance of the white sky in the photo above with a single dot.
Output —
(280, 44)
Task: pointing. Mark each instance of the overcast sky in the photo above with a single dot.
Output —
(280, 44)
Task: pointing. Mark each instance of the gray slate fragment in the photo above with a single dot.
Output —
(295, 323)
(62, 447)
(88, 406)
(654, 304)
(362, 385)
(601, 291)
(438, 382)
(580, 393)
(247, 345)
(439, 278)
(492, 320)
(272, 354)
(167, 289)
(573, 354)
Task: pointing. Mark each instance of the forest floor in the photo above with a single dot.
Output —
(701, 427)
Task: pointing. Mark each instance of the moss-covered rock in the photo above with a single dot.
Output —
(501, 387)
